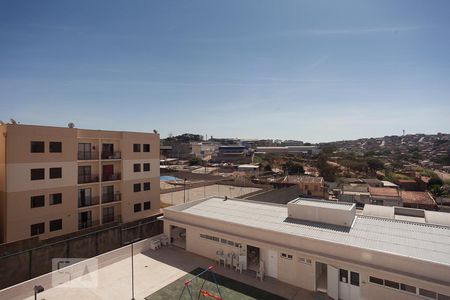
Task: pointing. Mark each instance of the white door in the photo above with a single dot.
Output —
(272, 263)
(333, 282)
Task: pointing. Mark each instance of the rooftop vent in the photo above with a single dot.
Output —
(321, 211)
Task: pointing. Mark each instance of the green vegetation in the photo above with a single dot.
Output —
(293, 168)
(327, 171)
(195, 161)
(186, 138)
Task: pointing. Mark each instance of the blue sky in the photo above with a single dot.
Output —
(309, 70)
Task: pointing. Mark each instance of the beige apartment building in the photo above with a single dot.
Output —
(322, 245)
(56, 180)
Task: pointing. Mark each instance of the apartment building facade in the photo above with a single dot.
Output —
(56, 180)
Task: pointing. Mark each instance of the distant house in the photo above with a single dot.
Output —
(249, 169)
(312, 186)
(355, 193)
(386, 196)
(415, 199)
(408, 184)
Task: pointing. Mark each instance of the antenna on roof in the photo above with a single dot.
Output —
(13, 121)
(71, 125)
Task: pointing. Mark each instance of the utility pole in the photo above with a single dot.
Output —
(184, 193)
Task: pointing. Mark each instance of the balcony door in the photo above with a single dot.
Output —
(84, 197)
(108, 214)
(84, 151)
(107, 193)
(84, 174)
(108, 172)
(107, 150)
(85, 219)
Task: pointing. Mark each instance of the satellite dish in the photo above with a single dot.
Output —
(13, 121)
(71, 125)
(2, 123)
(154, 131)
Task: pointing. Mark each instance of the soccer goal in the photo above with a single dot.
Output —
(201, 286)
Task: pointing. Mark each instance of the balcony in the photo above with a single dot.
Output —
(111, 218)
(111, 197)
(87, 155)
(111, 177)
(87, 224)
(88, 201)
(87, 178)
(111, 155)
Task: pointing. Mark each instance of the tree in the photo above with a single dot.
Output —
(195, 161)
(293, 168)
(375, 164)
(326, 171)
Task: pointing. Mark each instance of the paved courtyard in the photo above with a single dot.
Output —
(206, 191)
(154, 270)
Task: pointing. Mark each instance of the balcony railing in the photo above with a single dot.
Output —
(111, 218)
(111, 155)
(87, 155)
(111, 197)
(111, 177)
(88, 201)
(88, 178)
(87, 224)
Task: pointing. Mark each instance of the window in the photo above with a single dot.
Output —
(286, 256)
(306, 261)
(343, 275)
(146, 167)
(37, 201)
(223, 241)
(55, 198)
(408, 288)
(146, 186)
(137, 168)
(391, 284)
(56, 225)
(55, 147)
(354, 278)
(37, 147)
(376, 280)
(136, 147)
(146, 147)
(136, 187)
(147, 205)
(38, 228)
(37, 174)
(427, 293)
(137, 207)
(55, 173)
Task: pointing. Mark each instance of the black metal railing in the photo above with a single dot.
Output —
(111, 218)
(87, 224)
(111, 155)
(87, 155)
(88, 201)
(111, 197)
(111, 177)
(87, 178)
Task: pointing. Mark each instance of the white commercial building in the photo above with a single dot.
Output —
(321, 246)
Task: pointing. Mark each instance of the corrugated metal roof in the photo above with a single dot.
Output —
(416, 240)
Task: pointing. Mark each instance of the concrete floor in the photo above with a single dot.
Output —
(155, 269)
(206, 191)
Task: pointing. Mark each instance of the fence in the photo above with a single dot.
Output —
(26, 264)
